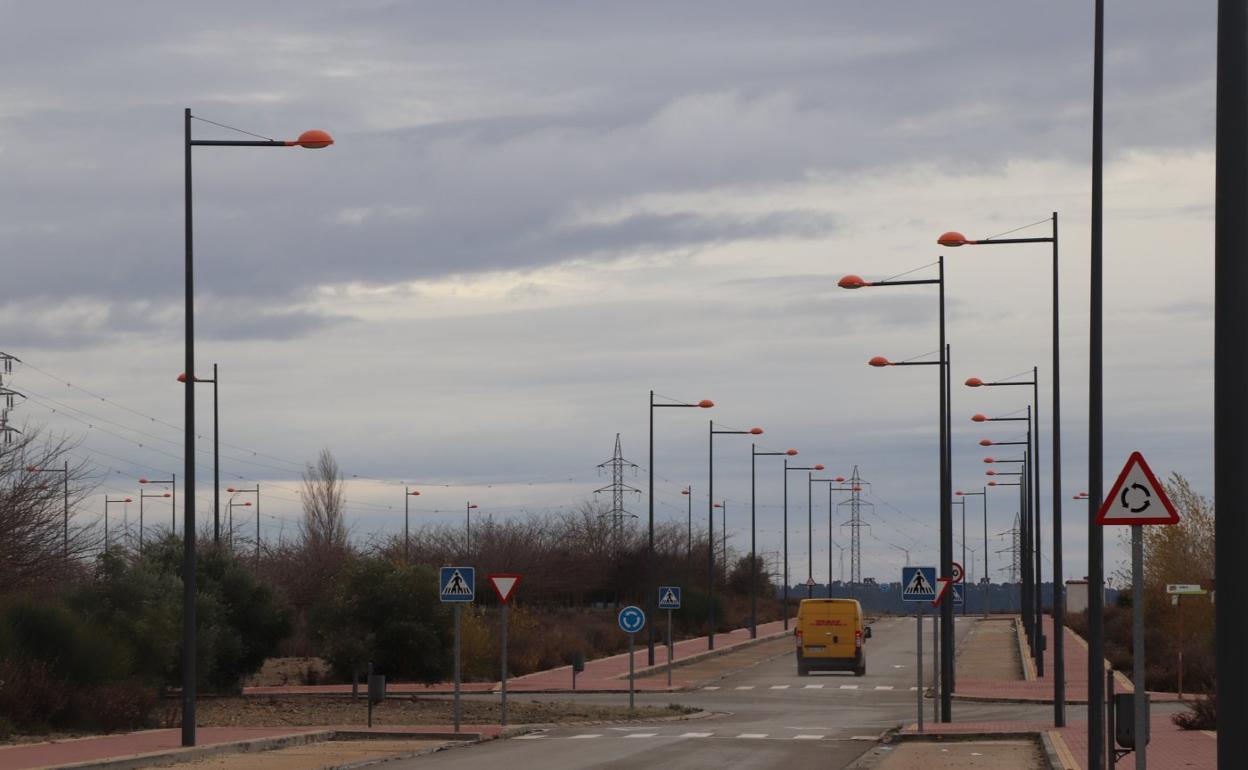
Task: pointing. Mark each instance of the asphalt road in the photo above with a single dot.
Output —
(765, 716)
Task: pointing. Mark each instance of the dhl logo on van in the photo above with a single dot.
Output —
(832, 622)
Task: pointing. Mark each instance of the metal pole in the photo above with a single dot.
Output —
(173, 489)
(1139, 685)
(987, 572)
(753, 552)
(457, 629)
(967, 598)
(946, 519)
(216, 466)
(671, 650)
(257, 523)
(830, 543)
(1059, 585)
(650, 566)
(786, 544)
(810, 540)
(918, 656)
(1230, 351)
(1036, 533)
(188, 471)
(468, 527)
(407, 558)
(936, 666)
(1096, 548)
(67, 509)
(141, 497)
(689, 541)
(710, 542)
(631, 681)
(504, 682)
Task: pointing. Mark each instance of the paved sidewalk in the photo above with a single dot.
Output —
(125, 745)
(1040, 690)
(602, 675)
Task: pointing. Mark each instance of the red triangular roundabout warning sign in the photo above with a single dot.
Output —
(504, 584)
(1137, 497)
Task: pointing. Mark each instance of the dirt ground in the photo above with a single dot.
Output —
(313, 756)
(305, 710)
(964, 755)
(983, 645)
(279, 672)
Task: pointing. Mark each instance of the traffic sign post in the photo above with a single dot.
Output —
(504, 585)
(457, 586)
(1136, 499)
(918, 584)
(669, 599)
(631, 620)
(1177, 591)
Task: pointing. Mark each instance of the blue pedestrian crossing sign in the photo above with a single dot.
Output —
(632, 619)
(669, 597)
(457, 584)
(918, 584)
(959, 595)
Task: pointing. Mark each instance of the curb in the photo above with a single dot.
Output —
(155, 758)
(704, 655)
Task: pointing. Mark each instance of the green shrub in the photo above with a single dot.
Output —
(32, 697)
(117, 706)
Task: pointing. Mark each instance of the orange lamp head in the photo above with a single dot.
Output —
(974, 382)
(414, 493)
(979, 418)
(959, 493)
(230, 489)
(839, 479)
(706, 403)
(852, 282)
(989, 460)
(141, 481)
(684, 491)
(32, 469)
(879, 361)
(182, 377)
(756, 431)
(791, 453)
(992, 483)
(953, 238)
(312, 140)
(818, 466)
(990, 473)
(166, 495)
(985, 442)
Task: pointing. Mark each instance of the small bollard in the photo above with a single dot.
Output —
(376, 691)
(578, 665)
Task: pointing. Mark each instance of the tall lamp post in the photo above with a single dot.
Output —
(787, 469)
(710, 525)
(468, 506)
(832, 543)
(946, 482)
(216, 454)
(688, 494)
(754, 455)
(987, 574)
(172, 481)
(144, 496)
(107, 502)
(256, 491)
(408, 494)
(962, 505)
(723, 535)
(651, 567)
(230, 518)
(311, 140)
(65, 478)
(955, 239)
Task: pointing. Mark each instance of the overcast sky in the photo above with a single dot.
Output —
(536, 212)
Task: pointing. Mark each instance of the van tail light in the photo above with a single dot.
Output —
(857, 638)
(798, 633)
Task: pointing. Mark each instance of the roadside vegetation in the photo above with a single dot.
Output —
(90, 636)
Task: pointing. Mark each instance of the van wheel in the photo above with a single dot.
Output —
(802, 670)
(861, 670)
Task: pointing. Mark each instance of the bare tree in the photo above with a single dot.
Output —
(323, 527)
(41, 494)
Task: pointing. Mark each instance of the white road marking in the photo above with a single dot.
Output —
(745, 687)
(696, 735)
(529, 737)
(752, 735)
(814, 687)
(641, 735)
(883, 687)
(586, 735)
(849, 687)
(779, 687)
(710, 688)
(807, 737)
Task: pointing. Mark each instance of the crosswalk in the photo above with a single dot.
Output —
(876, 688)
(545, 736)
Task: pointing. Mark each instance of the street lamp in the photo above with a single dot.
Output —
(172, 481)
(216, 455)
(143, 496)
(256, 491)
(710, 524)
(314, 139)
(705, 403)
(688, 493)
(65, 478)
(787, 468)
(723, 536)
(468, 506)
(831, 542)
(987, 574)
(107, 502)
(408, 494)
(754, 455)
(230, 517)
(955, 239)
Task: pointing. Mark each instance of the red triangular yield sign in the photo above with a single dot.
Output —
(1137, 497)
(942, 588)
(504, 584)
